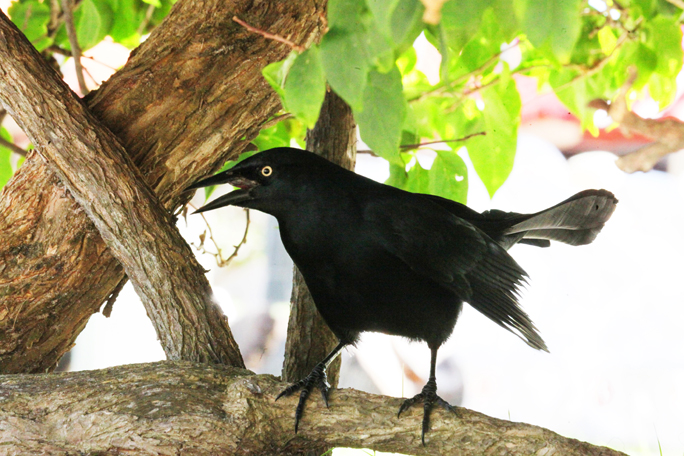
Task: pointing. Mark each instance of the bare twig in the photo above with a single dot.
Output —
(242, 241)
(220, 262)
(146, 21)
(107, 310)
(429, 143)
(13, 147)
(68, 6)
(268, 35)
(61, 51)
(443, 87)
(276, 119)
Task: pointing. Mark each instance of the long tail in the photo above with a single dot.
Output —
(575, 221)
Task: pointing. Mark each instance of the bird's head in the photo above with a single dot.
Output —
(266, 181)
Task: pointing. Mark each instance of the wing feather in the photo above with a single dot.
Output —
(437, 244)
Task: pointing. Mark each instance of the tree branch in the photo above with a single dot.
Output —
(668, 133)
(13, 147)
(171, 408)
(188, 99)
(68, 8)
(100, 175)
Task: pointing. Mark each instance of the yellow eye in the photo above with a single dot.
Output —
(266, 171)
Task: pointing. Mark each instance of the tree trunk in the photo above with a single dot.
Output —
(181, 408)
(101, 177)
(309, 339)
(189, 98)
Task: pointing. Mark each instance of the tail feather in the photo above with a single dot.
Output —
(575, 221)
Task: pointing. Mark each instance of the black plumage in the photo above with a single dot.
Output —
(377, 258)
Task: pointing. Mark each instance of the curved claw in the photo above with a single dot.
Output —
(290, 390)
(428, 396)
(317, 378)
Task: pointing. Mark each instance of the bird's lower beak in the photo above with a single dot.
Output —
(235, 198)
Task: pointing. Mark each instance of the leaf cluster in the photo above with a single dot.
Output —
(125, 21)
(581, 50)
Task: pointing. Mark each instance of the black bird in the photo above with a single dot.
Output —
(377, 258)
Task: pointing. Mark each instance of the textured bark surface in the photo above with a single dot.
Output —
(309, 339)
(101, 177)
(189, 98)
(180, 408)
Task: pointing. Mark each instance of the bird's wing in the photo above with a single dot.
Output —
(435, 243)
(431, 241)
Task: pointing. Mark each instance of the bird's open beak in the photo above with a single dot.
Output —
(235, 198)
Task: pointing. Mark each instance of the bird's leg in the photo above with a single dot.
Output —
(317, 378)
(428, 396)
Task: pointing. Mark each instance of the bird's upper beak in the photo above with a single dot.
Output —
(236, 198)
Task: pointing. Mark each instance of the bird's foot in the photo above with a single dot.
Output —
(429, 399)
(317, 378)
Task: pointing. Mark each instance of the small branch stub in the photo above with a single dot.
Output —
(268, 35)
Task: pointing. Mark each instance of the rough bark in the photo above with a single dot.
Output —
(667, 133)
(188, 99)
(101, 177)
(181, 408)
(309, 339)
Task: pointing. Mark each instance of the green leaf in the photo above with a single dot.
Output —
(354, 44)
(348, 14)
(381, 120)
(346, 65)
(276, 72)
(93, 22)
(127, 18)
(461, 20)
(32, 18)
(382, 11)
(551, 24)
(406, 23)
(485, 44)
(5, 155)
(417, 179)
(576, 92)
(305, 87)
(449, 177)
(279, 135)
(493, 154)
(607, 40)
(665, 38)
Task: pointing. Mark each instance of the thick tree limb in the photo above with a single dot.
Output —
(180, 408)
(190, 97)
(100, 175)
(668, 133)
(309, 339)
